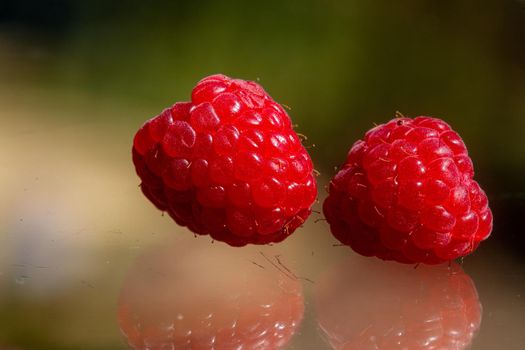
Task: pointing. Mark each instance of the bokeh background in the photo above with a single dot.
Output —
(77, 78)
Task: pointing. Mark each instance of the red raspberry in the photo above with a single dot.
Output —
(406, 192)
(395, 306)
(179, 297)
(227, 164)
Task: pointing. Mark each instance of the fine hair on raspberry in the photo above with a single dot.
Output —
(227, 163)
(406, 192)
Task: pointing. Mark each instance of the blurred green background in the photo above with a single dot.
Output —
(77, 78)
(340, 65)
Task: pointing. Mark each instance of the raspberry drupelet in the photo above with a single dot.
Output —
(406, 193)
(227, 164)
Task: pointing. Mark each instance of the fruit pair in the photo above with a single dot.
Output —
(229, 164)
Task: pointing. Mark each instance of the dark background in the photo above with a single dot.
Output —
(78, 77)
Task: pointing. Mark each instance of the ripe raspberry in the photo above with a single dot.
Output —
(207, 299)
(406, 192)
(227, 164)
(395, 306)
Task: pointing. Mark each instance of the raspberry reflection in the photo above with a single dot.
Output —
(180, 298)
(368, 304)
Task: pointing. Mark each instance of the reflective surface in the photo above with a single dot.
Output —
(177, 297)
(371, 304)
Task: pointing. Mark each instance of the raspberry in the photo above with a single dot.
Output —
(179, 297)
(395, 306)
(406, 192)
(227, 164)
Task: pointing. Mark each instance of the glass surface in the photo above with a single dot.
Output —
(86, 262)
